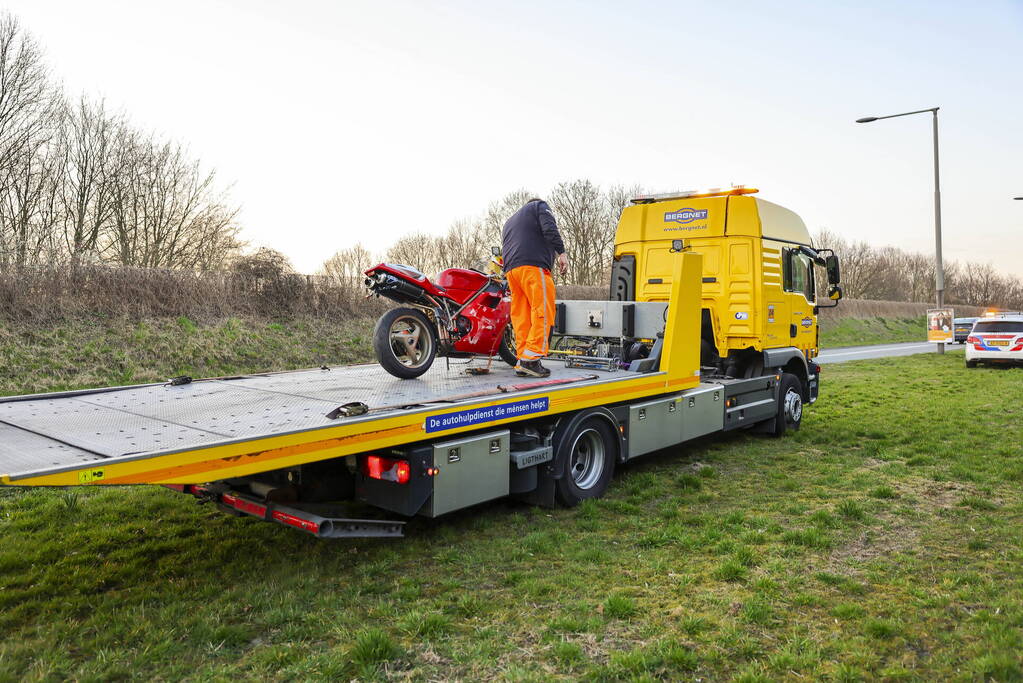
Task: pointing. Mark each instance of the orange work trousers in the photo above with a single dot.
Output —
(532, 310)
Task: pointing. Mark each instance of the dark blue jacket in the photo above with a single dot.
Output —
(531, 237)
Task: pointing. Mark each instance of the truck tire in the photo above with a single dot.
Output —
(405, 342)
(790, 405)
(507, 348)
(586, 455)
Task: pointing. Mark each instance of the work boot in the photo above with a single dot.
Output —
(531, 368)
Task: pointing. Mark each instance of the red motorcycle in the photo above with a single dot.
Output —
(459, 314)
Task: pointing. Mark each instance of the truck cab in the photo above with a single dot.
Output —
(759, 300)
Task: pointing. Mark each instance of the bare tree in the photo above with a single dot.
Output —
(892, 274)
(27, 204)
(28, 120)
(347, 267)
(164, 211)
(88, 147)
(617, 198)
(582, 218)
(418, 250)
(78, 183)
(25, 91)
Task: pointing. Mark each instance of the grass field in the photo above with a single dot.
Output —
(883, 540)
(860, 331)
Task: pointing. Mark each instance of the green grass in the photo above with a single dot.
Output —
(860, 331)
(882, 541)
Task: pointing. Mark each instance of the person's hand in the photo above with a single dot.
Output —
(562, 263)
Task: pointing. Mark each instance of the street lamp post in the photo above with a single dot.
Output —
(939, 271)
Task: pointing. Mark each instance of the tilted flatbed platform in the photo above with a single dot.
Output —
(220, 428)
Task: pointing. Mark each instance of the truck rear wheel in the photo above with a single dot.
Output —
(790, 405)
(586, 455)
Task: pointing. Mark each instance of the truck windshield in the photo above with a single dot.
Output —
(986, 326)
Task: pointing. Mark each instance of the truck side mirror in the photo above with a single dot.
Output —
(834, 272)
(834, 292)
(496, 251)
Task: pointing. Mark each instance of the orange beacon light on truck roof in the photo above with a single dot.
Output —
(694, 194)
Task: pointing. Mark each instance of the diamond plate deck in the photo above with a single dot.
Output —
(43, 433)
(25, 451)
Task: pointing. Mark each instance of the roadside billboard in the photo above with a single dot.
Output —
(939, 325)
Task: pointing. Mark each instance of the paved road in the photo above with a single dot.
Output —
(879, 351)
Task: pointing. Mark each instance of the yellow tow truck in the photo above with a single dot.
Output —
(710, 326)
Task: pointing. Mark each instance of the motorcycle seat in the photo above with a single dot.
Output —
(409, 270)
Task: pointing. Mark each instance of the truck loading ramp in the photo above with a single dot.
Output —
(47, 434)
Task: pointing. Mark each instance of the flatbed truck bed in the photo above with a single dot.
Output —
(214, 429)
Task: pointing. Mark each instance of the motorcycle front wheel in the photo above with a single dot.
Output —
(405, 342)
(507, 348)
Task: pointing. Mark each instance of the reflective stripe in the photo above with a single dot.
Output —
(543, 288)
(531, 355)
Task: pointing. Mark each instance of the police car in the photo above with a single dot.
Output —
(995, 339)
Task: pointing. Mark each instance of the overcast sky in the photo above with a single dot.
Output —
(337, 122)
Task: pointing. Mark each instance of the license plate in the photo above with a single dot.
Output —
(998, 342)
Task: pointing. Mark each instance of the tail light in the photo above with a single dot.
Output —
(386, 469)
(972, 340)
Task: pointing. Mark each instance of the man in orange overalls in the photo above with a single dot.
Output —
(530, 245)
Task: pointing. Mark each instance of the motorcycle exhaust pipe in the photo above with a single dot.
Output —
(396, 289)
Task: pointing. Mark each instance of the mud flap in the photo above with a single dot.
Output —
(543, 494)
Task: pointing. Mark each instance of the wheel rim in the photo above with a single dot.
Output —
(793, 406)
(587, 459)
(411, 342)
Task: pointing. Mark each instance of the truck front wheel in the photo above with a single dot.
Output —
(790, 405)
(586, 456)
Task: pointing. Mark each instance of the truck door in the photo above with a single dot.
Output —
(800, 295)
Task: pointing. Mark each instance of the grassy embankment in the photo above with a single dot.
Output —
(99, 352)
(873, 330)
(885, 539)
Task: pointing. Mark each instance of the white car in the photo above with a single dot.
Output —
(996, 339)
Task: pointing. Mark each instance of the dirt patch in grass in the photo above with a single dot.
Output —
(892, 537)
(896, 532)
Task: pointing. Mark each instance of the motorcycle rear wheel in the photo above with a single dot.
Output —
(405, 342)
